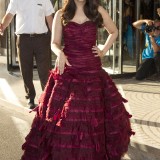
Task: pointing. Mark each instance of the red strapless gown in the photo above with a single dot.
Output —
(81, 115)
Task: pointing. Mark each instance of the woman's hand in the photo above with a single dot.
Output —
(60, 63)
(97, 51)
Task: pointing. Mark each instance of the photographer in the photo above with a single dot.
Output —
(151, 53)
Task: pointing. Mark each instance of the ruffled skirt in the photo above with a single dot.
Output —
(80, 116)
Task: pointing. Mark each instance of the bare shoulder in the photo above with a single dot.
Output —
(57, 18)
(102, 11)
(105, 15)
(58, 13)
(107, 20)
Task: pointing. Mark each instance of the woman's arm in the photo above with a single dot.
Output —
(56, 34)
(56, 43)
(111, 29)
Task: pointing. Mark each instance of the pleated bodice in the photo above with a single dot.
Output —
(81, 56)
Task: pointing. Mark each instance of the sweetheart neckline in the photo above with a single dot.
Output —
(80, 23)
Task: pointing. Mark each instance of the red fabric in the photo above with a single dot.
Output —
(81, 115)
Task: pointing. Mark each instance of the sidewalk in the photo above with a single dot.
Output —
(144, 105)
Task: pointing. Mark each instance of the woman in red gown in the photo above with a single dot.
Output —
(81, 115)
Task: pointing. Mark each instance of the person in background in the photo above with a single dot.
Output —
(81, 115)
(33, 40)
(151, 52)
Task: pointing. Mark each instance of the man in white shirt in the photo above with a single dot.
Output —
(33, 39)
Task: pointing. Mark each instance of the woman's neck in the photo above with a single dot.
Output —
(80, 4)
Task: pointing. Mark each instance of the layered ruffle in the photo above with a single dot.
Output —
(81, 116)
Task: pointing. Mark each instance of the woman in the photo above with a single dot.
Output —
(81, 115)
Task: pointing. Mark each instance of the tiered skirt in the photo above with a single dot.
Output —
(80, 116)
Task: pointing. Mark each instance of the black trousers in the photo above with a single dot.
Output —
(148, 67)
(29, 48)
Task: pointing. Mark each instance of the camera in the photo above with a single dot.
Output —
(151, 28)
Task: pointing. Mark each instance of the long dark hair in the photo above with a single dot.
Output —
(90, 10)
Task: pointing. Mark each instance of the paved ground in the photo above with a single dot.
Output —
(144, 105)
